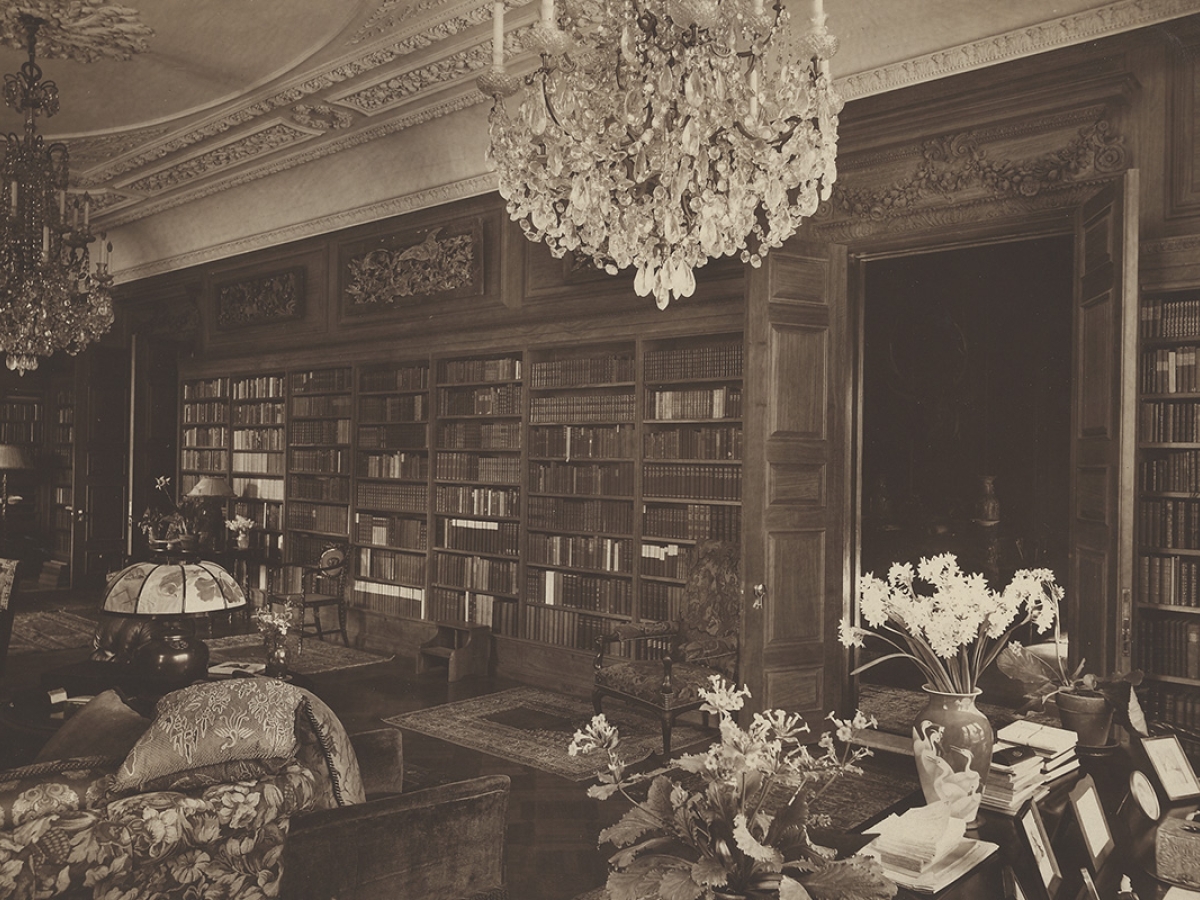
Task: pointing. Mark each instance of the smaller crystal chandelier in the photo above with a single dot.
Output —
(660, 134)
(49, 298)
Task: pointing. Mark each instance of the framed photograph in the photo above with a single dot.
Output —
(1012, 885)
(1175, 774)
(1093, 825)
(1089, 887)
(1044, 863)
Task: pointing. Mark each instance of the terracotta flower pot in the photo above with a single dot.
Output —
(1090, 716)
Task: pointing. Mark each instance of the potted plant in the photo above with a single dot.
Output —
(170, 527)
(1086, 703)
(738, 824)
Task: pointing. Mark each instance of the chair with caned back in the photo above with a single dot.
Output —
(701, 641)
(313, 589)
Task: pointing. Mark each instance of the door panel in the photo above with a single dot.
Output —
(1101, 527)
(796, 493)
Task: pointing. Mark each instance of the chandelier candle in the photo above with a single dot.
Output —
(659, 134)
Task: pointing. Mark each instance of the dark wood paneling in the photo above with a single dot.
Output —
(796, 561)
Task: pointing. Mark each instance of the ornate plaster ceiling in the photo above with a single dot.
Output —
(230, 91)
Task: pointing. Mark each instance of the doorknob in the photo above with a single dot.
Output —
(80, 514)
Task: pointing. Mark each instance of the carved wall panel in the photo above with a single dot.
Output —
(800, 378)
(261, 300)
(796, 560)
(1183, 153)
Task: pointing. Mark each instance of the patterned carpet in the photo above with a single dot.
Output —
(55, 629)
(315, 657)
(533, 727)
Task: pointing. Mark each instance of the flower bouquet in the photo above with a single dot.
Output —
(241, 526)
(174, 524)
(742, 827)
(280, 635)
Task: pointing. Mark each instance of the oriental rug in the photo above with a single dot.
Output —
(315, 656)
(38, 631)
(533, 727)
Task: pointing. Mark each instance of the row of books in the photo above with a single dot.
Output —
(660, 602)
(579, 552)
(391, 531)
(393, 437)
(684, 363)
(320, 431)
(467, 371)
(321, 380)
(575, 591)
(1175, 703)
(329, 460)
(390, 599)
(317, 517)
(205, 436)
(267, 516)
(206, 388)
(257, 387)
(1169, 580)
(692, 481)
(408, 408)
(388, 566)
(392, 497)
(258, 462)
(1170, 318)
(258, 488)
(694, 522)
(665, 560)
(594, 516)
(479, 536)
(569, 442)
(1170, 645)
(476, 573)
(322, 406)
(1169, 523)
(582, 409)
(478, 501)
(694, 403)
(499, 613)
(401, 464)
(614, 479)
(700, 442)
(262, 413)
(566, 628)
(18, 432)
(480, 436)
(502, 400)
(1175, 471)
(203, 460)
(577, 372)
(257, 439)
(454, 466)
(1172, 371)
(1169, 422)
(206, 412)
(329, 488)
(406, 378)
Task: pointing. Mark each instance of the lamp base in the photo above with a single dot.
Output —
(172, 661)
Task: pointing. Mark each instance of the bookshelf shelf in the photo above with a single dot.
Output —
(1167, 607)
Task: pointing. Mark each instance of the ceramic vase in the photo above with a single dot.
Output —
(281, 652)
(243, 540)
(952, 743)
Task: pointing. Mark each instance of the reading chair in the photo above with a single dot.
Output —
(702, 641)
(313, 588)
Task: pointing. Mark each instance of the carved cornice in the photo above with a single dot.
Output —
(1188, 243)
(395, 206)
(1073, 29)
(83, 30)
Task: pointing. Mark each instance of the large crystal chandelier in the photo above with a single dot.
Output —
(50, 299)
(660, 134)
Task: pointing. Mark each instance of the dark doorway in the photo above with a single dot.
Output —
(967, 380)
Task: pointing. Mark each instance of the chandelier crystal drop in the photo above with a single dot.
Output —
(50, 299)
(660, 134)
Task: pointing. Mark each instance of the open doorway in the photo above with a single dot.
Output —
(966, 409)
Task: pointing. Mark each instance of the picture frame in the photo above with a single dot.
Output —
(1174, 772)
(1043, 862)
(1012, 885)
(1090, 891)
(1092, 822)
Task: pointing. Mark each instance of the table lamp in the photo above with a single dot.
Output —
(212, 486)
(174, 593)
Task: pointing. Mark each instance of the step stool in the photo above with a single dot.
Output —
(464, 647)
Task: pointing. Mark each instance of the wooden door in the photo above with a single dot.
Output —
(795, 556)
(1103, 440)
(101, 446)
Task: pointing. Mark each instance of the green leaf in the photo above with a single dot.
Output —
(858, 878)
(709, 872)
(790, 889)
(632, 826)
(624, 858)
(677, 884)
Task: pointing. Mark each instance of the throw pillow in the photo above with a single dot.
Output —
(324, 749)
(251, 770)
(214, 722)
(105, 726)
(58, 786)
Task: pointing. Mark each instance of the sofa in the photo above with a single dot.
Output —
(244, 788)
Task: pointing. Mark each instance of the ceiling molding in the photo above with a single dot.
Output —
(1061, 32)
(395, 206)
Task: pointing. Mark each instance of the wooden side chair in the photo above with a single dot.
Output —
(314, 588)
(701, 642)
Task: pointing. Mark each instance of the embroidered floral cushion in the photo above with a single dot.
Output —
(214, 722)
(324, 748)
(51, 788)
(644, 680)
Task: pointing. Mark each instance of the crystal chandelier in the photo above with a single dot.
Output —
(660, 134)
(50, 299)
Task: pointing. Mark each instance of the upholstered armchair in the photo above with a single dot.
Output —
(700, 642)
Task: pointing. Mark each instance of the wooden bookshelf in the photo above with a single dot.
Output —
(61, 453)
(1167, 611)
(317, 509)
(258, 465)
(204, 431)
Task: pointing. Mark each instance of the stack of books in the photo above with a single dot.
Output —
(925, 848)
(1055, 746)
(1015, 775)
